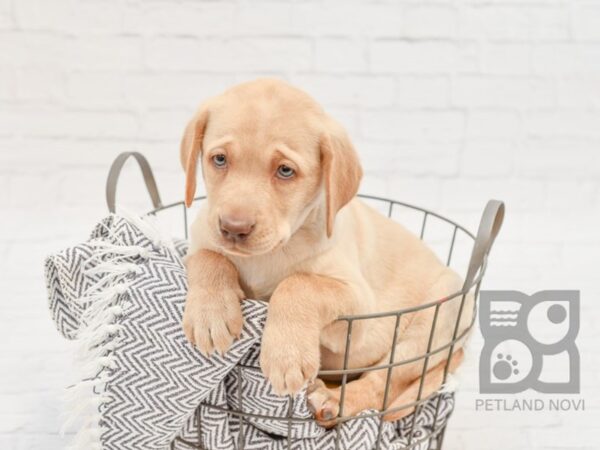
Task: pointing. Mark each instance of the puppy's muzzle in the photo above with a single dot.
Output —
(236, 229)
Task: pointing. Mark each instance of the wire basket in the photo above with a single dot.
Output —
(472, 265)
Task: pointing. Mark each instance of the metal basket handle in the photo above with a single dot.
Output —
(489, 226)
(115, 171)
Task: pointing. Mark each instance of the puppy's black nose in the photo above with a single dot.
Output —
(235, 228)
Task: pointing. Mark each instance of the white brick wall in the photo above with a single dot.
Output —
(450, 103)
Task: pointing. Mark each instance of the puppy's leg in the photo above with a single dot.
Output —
(432, 381)
(369, 391)
(212, 317)
(364, 393)
(301, 306)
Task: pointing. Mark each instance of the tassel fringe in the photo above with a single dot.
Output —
(104, 303)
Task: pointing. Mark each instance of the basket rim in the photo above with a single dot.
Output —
(366, 196)
(351, 317)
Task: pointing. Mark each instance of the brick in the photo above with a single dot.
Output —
(353, 91)
(415, 125)
(8, 83)
(372, 184)
(348, 117)
(10, 121)
(515, 440)
(4, 193)
(399, 159)
(132, 193)
(96, 89)
(272, 18)
(66, 17)
(494, 21)
(425, 192)
(506, 59)
(547, 253)
(413, 57)
(558, 439)
(50, 122)
(518, 92)
(105, 53)
(542, 227)
(579, 91)
(164, 124)
(194, 18)
(46, 51)
(356, 19)
(423, 92)
(6, 20)
(570, 195)
(558, 158)
(58, 154)
(521, 195)
(550, 22)
(32, 50)
(586, 17)
(143, 90)
(40, 85)
(33, 189)
(71, 190)
(31, 14)
(487, 158)
(172, 187)
(376, 157)
(469, 59)
(340, 55)
(214, 55)
(440, 159)
(562, 123)
(566, 59)
(482, 123)
(430, 21)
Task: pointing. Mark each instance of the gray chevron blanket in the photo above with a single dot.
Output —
(120, 296)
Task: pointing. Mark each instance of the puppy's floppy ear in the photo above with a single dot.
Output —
(191, 147)
(341, 171)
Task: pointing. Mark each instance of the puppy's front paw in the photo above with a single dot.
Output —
(289, 359)
(212, 320)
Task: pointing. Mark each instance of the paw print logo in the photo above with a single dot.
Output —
(510, 361)
(526, 338)
(505, 367)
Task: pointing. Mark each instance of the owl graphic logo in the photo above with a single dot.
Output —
(529, 342)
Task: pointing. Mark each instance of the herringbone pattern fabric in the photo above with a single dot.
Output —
(156, 381)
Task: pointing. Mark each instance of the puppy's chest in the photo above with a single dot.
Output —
(260, 280)
(260, 275)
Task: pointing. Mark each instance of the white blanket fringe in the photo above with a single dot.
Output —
(98, 336)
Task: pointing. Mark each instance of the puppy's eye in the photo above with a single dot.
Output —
(219, 160)
(285, 172)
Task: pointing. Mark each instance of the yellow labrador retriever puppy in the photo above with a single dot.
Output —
(281, 223)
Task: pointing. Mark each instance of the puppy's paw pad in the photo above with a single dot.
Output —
(322, 403)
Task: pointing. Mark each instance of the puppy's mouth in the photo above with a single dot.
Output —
(232, 248)
(242, 249)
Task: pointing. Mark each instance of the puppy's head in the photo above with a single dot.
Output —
(269, 156)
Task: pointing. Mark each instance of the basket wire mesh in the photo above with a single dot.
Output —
(481, 244)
